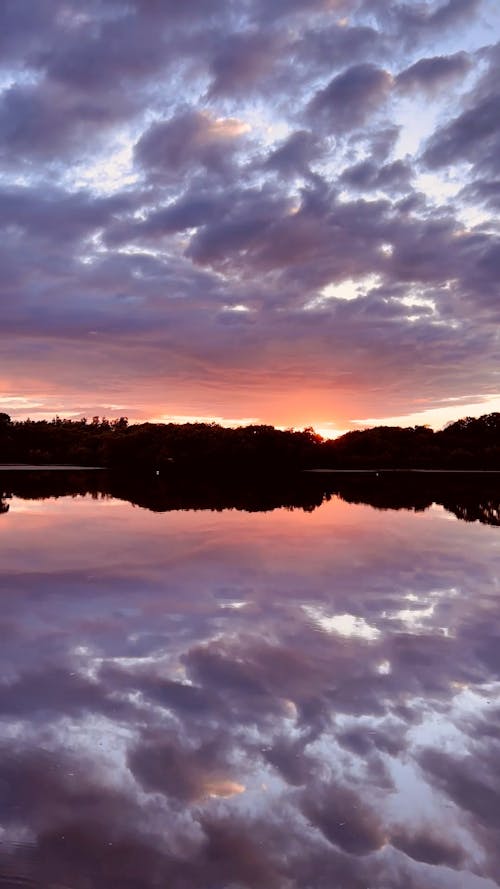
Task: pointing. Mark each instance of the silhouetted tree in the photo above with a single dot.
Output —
(471, 443)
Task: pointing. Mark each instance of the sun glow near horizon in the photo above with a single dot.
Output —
(35, 407)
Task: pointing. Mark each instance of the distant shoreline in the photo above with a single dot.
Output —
(61, 467)
(386, 469)
(30, 467)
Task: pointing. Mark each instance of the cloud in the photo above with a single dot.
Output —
(57, 691)
(53, 214)
(188, 776)
(24, 28)
(432, 73)
(295, 154)
(349, 99)
(474, 790)
(429, 849)
(107, 54)
(45, 122)
(338, 45)
(366, 175)
(244, 60)
(483, 191)
(191, 138)
(473, 136)
(343, 819)
(412, 22)
(452, 12)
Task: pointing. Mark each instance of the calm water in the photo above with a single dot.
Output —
(288, 699)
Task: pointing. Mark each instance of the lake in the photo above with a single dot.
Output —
(288, 687)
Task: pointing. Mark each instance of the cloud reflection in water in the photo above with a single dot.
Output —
(248, 700)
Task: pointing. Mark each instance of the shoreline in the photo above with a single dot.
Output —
(36, 467)
(425, 471)
(61, 467)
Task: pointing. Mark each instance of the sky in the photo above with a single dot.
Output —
(248, 211)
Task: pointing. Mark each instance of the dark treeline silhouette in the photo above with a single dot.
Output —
(116, 444)
(470, 443)
(471, 498)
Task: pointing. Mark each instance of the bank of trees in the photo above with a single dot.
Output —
(470, 443)
(151, 446)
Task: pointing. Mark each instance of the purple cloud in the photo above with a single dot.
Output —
(366, 175)
(431, 73)
(351, 97)
(190, 139)
(242, 62)
(295, 154)
(412, 22)
(473, 136)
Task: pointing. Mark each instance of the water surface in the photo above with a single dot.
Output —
(299, 697)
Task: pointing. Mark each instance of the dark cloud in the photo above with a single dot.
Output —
(97, 846)
(167, 10)
(452, 12)
(351, 97)
(428, 848)
(380, 143)
(233, 854)
(291, 760)
(473, 136)
(243, 61)
(255, 685)
(295, 154)
(190, 139)
(192, 210)
(45, 122)
(343, 819)
(186, 700)
(54, 214)
(185, 775)
(483, 191)
(283, 8)
(260, 229)
(55, 690)
(24, 27)
(365, 176)
(470, 782)
(433, 73)
(412, 22)
(338, 45)
(244, 222)
(107, 55)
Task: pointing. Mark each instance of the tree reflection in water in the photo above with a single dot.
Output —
(471, 497)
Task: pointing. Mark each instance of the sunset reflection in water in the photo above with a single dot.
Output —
(203, 700)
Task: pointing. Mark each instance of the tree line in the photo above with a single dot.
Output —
(469, 443)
